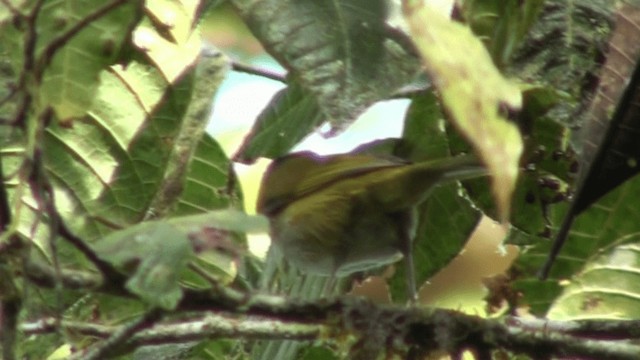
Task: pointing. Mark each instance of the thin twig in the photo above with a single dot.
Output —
(45, 196)
(5, 209)
(10, 305)
(404, 93)
(410, 91)
(45, 276)
(258, 72)
(107, 270)
(30, 40)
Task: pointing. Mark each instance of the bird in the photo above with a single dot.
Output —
(335, 215)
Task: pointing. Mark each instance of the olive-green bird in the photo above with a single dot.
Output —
(339, 214)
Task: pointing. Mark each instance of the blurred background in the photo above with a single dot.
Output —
(242, 97)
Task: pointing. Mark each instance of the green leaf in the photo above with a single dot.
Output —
(167, 31)
(423, 129)
(71, 81)
(155, 253)
(5, 13)
(593, 295)
(501, 24)
(563, 50)
(108, 169)
(158, 252)
(205, 186)
(472, 92)
(290, 116)
(122, 163)
(219, 237)
(197, 164)
(543, 184)
(342, 51)
(226, 219)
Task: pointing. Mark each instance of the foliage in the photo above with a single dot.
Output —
(123, 232)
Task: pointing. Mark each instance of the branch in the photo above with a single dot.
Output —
(207, 325)
(378, 328)
(45, 276)
(546, 344)
(597, 329)
(258, 316)
(118, 337)
(424, 329)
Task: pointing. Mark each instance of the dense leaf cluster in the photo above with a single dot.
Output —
(122, 223)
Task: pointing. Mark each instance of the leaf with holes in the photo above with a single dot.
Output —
(564, 50)
(610, 222)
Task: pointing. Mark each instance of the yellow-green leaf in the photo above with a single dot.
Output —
(472, 92)
(169, 36)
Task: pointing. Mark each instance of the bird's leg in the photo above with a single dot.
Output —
(412, 294)
(330, 286)
(405, 234)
